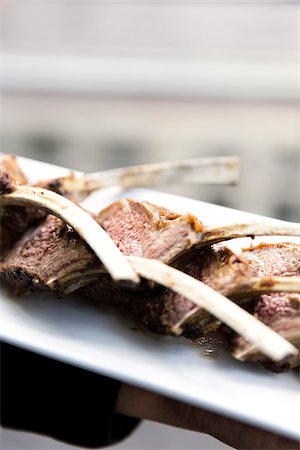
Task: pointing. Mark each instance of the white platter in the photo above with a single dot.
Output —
(79, 333)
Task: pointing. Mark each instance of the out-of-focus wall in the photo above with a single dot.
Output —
(98, 85)
(114, 133)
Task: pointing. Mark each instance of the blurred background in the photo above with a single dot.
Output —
(96, 85)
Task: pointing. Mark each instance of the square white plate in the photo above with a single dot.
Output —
(80, 333)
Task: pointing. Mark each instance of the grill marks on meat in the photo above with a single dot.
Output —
(280, 311)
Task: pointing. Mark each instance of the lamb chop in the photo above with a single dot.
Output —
(83, 222)
(280, 311)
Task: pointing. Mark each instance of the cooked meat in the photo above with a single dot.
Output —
(216, 266)
(280, 311)
(221, 269)
(53, 255)
(166, 311)
(144, 229)
(163, 309)
(54, 250)
(50, 250)
(15, 220)
(282, 259)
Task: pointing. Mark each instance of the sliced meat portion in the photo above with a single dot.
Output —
(144, 229)
(280, 311)
(15, 220)
(50, 250)
(281, 259)
(216, 266)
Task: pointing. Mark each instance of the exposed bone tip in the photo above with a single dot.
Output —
(282, 357)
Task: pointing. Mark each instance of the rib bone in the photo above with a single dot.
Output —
(213, 235)
(81, 221)
(219, 170)
(262, 285)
